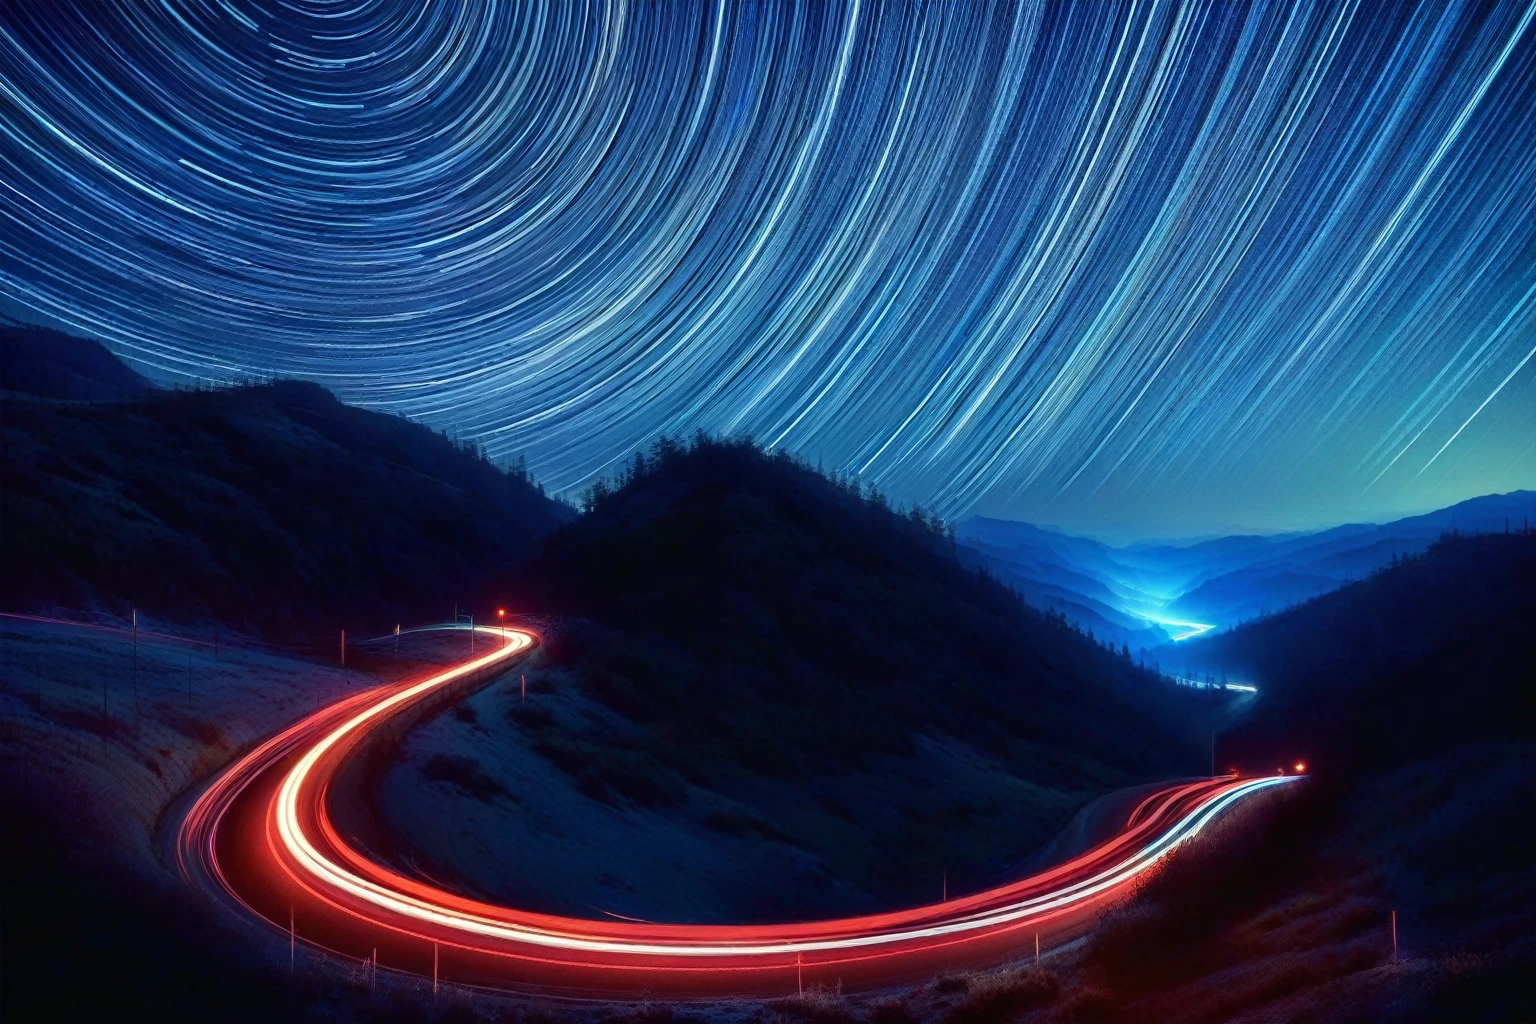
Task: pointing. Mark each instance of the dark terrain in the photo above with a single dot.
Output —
(44, 363)
(842, 626)
(783, 671)
(739, 625)
(271, 508)
(1409, 695)
(1221, 582)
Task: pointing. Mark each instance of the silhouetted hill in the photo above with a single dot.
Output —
(1429, 652)
(1249, 593)
(275, 508)
(1268, 574)
(771, 654)
(51, 364)
(839, 612)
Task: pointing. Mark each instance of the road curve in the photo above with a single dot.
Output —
(260, 838)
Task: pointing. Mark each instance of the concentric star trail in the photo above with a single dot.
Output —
(1065, 260)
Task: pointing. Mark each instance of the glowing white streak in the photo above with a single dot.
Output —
(328, 873)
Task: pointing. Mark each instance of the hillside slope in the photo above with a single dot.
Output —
(1399, 886)
(1275, 573)
(50, 364)
(273, 508)
(835, 609)
(1425, 653)
(779, 698)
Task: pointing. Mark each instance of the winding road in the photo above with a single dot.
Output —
(260, 838)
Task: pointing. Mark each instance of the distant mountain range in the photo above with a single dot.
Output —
(1149, 594)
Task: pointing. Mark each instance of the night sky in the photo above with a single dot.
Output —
(1132, 269)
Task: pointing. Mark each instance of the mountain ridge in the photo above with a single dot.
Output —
(1217, 581)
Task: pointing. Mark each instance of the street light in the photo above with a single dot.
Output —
(501, 613)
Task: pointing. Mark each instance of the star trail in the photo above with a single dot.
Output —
(1162, 265)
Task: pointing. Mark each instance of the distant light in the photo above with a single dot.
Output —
(1300, 767)
(1242, 687)
(1188, 629)
(502, 612)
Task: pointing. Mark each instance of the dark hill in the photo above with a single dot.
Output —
(843, 624)
(274, 508)
(1428, 652)
(762, 664)
(51, 364)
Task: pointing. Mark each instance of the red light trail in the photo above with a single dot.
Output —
(260, 836)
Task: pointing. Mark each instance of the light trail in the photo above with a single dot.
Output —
(1190, 629)
(1201, 684)
(261, 836)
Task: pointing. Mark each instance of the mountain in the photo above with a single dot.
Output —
(50, 364)
(1269, 574)
(766, 660)
(273, 508)
(1426, 652)
(758, 559)
(1079, 577)
(1136, 594)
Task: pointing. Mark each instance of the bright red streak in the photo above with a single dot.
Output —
(261, 836)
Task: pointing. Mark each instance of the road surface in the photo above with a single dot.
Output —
(260, 838)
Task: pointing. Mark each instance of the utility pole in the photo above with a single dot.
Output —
(525, 687)
(343, 648)
(944, 887)
(397, 641)
(434, 970)
(1037, 947)
(799, 974)
(1394, 936)
(290, 938)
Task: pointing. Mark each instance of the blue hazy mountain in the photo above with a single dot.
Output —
(1138, 595)
(1079, 577)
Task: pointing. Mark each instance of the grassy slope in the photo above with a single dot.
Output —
(778, 661)
(96, 738)
(274, 508)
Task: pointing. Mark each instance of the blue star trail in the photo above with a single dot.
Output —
(1093, 263)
